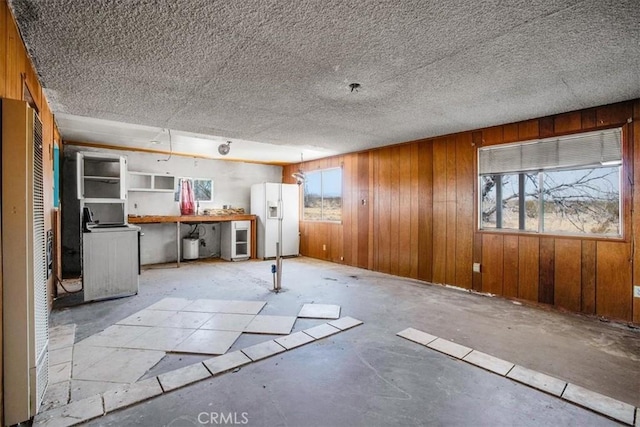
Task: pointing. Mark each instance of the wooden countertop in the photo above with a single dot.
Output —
(151, 219)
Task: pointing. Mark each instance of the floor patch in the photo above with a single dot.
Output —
(320, 311)
(170, 304)
(225, 306)
(146, 318)
(263, 350)
(114, 336)
(488, 362)
(538, 380)
(124, 365)
(599, 403)
(71, 414)
(228, 322)
(321, 331)
(345, 323)
(294, 340)
(273, 325)
(186, 320)
(129, 394)
(226, 362)
(447, 347)
(208, 342)
(183, 376)
(157, 338)
(417, 336)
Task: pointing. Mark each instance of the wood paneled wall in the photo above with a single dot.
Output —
(16, 71)
(410, 210)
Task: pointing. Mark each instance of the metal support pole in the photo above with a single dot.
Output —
(178, 242)
(278, 284)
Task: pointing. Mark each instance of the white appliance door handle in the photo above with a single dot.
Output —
(280, 214)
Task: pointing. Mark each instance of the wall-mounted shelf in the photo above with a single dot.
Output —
(101, 176)
(142, 181)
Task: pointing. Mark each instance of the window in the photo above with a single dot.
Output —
(202, 189)
(323, 195)
(566, 185)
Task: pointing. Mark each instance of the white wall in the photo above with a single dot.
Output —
(231, 186)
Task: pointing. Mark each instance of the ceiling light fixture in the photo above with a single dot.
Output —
(354, 86)
(224, 149)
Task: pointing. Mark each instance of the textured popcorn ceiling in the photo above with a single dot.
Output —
(278, 71)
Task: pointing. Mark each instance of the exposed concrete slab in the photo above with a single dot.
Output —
(379, 377)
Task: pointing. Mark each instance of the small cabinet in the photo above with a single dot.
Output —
(101, 176)
(102, 187)
(235, 240)
(142, 181)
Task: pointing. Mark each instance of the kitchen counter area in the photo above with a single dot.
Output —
(195, 219)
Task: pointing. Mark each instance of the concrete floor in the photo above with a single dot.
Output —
(368, 375)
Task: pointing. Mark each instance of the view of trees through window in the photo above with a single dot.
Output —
(323, 195)
(202, 189)
(581, 201)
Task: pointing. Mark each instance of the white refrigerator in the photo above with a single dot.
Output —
(277, 209)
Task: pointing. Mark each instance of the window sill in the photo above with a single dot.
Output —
(505, 232)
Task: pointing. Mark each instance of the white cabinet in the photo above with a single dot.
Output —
(101, 176)
(109, 246)
(101, 186)
(235, 240)
(110, 263)
(142, 181)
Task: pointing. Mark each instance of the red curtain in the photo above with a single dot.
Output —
(187, 199)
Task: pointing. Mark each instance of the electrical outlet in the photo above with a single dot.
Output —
(476, 267)
(324, 247)
(636, 291)
(203, 243)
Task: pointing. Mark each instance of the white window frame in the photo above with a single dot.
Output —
(322, 219)
(608, 156)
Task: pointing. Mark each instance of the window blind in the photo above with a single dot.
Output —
(573, 151)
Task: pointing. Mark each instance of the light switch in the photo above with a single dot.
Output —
(636, 291)
(476, 267)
